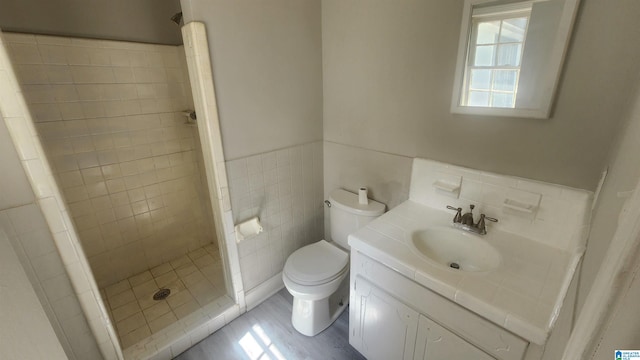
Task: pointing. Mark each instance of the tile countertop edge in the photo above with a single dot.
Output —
(538, 335)
(501, 317)
(566, 283)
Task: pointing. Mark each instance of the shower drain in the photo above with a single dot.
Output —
(161, 294)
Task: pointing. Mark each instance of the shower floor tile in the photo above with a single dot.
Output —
(194, 279)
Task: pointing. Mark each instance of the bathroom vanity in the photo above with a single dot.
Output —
(401, 320)
(500, 301)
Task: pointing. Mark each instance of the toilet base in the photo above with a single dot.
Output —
(311, 317)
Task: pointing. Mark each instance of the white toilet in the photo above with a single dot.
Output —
(317, 275)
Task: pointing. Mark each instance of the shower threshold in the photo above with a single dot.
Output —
(188, 284)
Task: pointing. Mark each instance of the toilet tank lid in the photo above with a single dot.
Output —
(348, 201)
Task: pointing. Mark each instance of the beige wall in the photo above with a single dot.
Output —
(139, 20)
(109, 116)
(622, 330)
(386, 176)
(388, 75)
(623, 175)
(267, 71)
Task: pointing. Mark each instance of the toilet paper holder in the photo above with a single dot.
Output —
(248, 228)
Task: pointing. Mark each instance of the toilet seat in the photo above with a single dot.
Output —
(316, 264)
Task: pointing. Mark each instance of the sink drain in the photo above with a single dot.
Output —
(161, 294)
(454, 265)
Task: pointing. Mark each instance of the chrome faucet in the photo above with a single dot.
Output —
(466, 223)
(467, 218)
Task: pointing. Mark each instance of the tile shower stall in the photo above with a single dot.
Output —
(110, 116)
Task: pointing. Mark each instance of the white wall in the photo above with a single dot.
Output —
(267, 69)
(388, 75)
(25, 331)
(284, 189)
(140, 20)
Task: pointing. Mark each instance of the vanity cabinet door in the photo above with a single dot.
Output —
(381, 327)
(435, 342)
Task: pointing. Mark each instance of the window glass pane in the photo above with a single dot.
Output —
(509, 54)
(488, 32)
(480, 79)
(513, 30)
(484, 56)
(495, 57)
(502, 100)
(478, 98)
(504, 80)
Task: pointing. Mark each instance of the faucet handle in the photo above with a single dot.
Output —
(458, 217)
(484, 217)
(481, 225)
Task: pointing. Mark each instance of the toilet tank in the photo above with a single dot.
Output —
(347, 215)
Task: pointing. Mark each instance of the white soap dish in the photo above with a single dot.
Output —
(446, 186)
(519, 206)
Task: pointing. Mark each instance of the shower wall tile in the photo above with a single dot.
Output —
(29, 225)
(32, 240)
(284, 189)
(15, 180)
(109, 116)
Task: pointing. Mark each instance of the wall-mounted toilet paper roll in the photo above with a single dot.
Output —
(362, 196)
(248, 228)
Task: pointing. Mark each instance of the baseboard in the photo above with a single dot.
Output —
(263, 291)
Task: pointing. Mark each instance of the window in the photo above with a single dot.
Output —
(494, 56)
(510, 55)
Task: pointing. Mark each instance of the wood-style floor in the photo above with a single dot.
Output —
(266, 333)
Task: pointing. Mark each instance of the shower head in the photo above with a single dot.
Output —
(177, 18)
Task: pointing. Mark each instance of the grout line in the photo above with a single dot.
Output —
(227, 159)
(203, 252)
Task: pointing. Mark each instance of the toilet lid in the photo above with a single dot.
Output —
(317, 263)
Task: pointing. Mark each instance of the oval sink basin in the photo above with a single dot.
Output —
(455, 249)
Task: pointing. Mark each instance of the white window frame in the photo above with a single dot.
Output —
(502, 14)
(547, 80)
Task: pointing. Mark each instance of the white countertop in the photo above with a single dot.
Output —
(523, 295)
